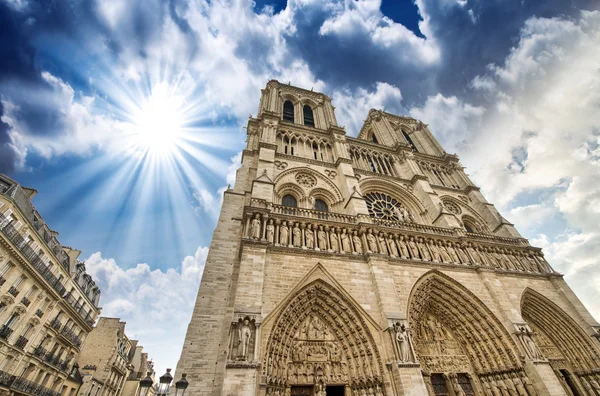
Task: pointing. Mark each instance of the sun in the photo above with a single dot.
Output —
(158, 122)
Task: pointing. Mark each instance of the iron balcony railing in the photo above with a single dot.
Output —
(71, 336)
(21, 342)
(55, 324)
(40, 352)
(31, 388)
(13, 290)
(34, 258)
(39, 313)
(25, 301)
(5, 332)
(2, 280)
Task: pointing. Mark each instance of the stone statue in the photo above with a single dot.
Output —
(310, 237)
(270, 231)
(345, 241)
(403, 343)
(414, 249)
(435, 251)
(244, 334)
(444, 253)
(425, 255)
(458, 390)
(403, 248)
(372, 242)
(392, 246)
(256, 227)
(284, 234)
(357, 243)
(530, 347)
(322, 238)
(333, 241)
(297, 236)
(382, 244)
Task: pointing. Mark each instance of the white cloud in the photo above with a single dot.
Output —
(156, 304)
(353, 107)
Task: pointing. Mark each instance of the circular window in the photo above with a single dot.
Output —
(383, 206)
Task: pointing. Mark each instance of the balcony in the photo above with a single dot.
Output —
(39, 313)
(25, 301)
(23, 385)
(55, 324)
(13, 290)
(2, 280)
(40, 352)
(33, 257)
(5, 332)
(79, 309)
(21, 342)
(71, 336)
(6, 379)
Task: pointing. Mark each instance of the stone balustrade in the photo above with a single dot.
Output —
(399, 240)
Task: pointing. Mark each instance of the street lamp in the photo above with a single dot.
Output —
(145, 385)
(181, 385)
(164, 383)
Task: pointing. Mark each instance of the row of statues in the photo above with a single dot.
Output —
(349, 241)
(507, 384)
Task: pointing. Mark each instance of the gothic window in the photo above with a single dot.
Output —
(383, 206)
(465, 384)
(374, 139)
(321, 206)
(289, 200)
(288, 111)
(410, 142)
(469, 227)
(292, 144)
(315, 150)
(308, 116)
(286, 145)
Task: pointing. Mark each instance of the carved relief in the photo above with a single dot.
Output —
(243, 339)
(281, 165)
(306, 180)
(451, 206)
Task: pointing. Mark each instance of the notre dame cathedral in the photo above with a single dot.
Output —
(373, 266)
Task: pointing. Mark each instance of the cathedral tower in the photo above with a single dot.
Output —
(374, 266)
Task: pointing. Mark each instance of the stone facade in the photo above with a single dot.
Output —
(374, 266)
(141, 367)
(48, 303)
(105, 360)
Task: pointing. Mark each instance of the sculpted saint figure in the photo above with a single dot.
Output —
(403, 248)
(333, 241)
(458, 390)
(284, 234)
(392, 246)
(382, 244)
(310, 237)
(425, 255)
(414, 249)
(297, 236)
(464, 257)
(357, 243)
(345, 241)
(270, 231)
(435, 251)
(452, 253)
(532, 349)
(402, 340)
(443, 252)
(244, 334)
(372, 242)
(322, 238)
(256, 227)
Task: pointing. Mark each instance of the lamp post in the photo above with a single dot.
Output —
(164, 383)
(181, 385)
(145, 385)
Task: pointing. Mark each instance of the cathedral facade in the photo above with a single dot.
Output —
(374, 266)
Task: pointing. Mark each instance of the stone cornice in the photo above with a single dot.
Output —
(292, 127)
(306, 160)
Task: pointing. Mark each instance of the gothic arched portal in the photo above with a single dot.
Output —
(457, 336)
(320, 338)
(571, 352)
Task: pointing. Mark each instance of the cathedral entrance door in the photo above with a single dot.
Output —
(302, 390)
(334, 391)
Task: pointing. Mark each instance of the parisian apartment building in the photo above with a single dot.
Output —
(48, 303)
(110, 363)
(371, 266)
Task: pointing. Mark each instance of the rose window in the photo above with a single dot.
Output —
(383, 206)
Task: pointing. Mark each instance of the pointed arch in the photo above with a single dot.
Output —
(347, 330)
(482, 336)
(381, 185)
(322, 182)
(564, 332)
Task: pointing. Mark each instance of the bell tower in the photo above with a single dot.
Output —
(373, 266)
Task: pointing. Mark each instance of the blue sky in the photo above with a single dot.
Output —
(511, 86)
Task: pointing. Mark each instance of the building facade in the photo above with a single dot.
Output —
(105, 360)
(141, 367)
(374, 266)
(48, 303)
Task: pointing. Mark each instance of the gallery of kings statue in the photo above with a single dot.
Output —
(373, 266)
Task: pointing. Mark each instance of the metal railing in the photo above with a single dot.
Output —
(39, 313)
(21, 342)
(40, 352)
(31, 388)
(5, 332)
(56, 324)
(25, 301)
(71, 336)
(13, 291)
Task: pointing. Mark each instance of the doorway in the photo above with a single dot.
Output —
(334, 391)
(570, 383)
(302, 391)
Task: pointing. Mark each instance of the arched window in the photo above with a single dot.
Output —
(410, 142)
(308, 116)
(469, 227)
(289, 201)
(374, 139)
(382, 206)
(288, 111)
(321, 206)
